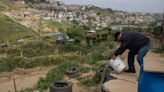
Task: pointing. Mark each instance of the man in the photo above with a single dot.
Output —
(137, 44)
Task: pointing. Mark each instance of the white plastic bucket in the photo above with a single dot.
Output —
(117, 65)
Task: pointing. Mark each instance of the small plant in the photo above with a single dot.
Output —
(17, 62)
(27, 90)
(85, 69)
(90, 81)
(55, 74)
(159, 50)
(71, 47)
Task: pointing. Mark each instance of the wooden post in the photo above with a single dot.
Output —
(21, 53)
(14, 85)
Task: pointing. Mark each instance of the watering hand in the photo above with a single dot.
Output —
(114, 57)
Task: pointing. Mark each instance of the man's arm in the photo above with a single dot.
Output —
(123, 47)
(120, 50)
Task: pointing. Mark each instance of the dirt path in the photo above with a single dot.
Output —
(24, 78)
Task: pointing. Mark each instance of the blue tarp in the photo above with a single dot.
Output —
(150, 81)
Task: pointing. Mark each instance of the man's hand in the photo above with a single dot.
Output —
(113, 57)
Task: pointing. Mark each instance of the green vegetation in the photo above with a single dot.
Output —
(43, 52)
(7, 5)
(11, 31)
(12, 63)
(62, 27)
(55, 74)
(74, 30)
(159, 50)
(100, 11)
(30, 48)
(91, 81)
(87, 48)
(27, 90)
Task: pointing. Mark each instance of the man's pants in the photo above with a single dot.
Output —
(141, 53)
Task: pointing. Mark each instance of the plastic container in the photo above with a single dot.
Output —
(150, 81)
(117, 65)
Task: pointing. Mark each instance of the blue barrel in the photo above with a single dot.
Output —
(150, 81)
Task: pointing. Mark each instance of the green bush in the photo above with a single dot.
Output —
(99, 51)
(90, 81)
(85, 69)
(71, 47)
(17, 62)
(12, 63)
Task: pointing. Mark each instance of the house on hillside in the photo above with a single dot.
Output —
(118, 27)
(26, 14)
(19, 2)
(74, 7)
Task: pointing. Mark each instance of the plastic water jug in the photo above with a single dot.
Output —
(117, 65)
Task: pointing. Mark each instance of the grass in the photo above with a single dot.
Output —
(11, 31)
(100, 51)
(30, 48)
(6, 5)
(43, 53)
(89, 81)
(55, 74)
(62, 27)
(159, 50)
(12, 63)
(59, 72)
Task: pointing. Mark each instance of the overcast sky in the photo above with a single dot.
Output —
(156, 6)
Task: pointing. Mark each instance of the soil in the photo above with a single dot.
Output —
(26, 78)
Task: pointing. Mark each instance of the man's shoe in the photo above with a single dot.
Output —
(130, 71)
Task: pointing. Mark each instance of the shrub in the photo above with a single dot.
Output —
(58, 73)
(55, 74)
(159, 50)
(90, 81)
(71, 47)
(12, 63)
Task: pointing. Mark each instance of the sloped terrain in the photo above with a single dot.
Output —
(10, 30)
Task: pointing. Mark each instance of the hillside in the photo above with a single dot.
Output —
(10, 30)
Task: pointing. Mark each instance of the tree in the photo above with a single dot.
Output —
(98, 14)
(75, 31)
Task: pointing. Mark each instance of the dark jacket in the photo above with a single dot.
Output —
(132, 41)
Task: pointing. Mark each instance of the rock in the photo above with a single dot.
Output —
(119, 86)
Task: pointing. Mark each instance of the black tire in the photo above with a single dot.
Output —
(99, 72)
(108, 77)
(72, 72)
(61, 86)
